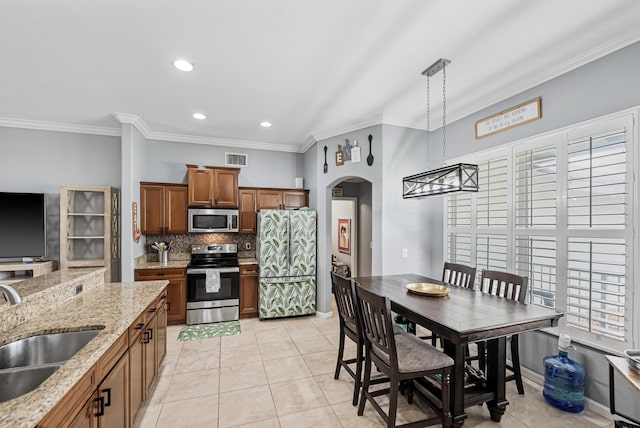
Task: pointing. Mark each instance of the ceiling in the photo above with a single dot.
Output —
(313, 68)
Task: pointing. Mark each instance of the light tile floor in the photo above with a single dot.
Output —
(279, 373)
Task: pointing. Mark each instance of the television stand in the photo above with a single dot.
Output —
(11, 272)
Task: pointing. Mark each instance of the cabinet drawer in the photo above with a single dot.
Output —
(248, 269)
(161, 300)
(153, 274)
(111, 357)
(136, 328)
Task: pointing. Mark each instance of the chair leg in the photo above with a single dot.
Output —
(446, 391)
(393, 401)
(365, 384)
(340, 354)
(356, 388)
(515, 361)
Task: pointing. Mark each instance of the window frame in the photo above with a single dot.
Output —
(560, 138)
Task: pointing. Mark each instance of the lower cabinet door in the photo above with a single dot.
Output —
(150, 365)
(87, 416)
(136, 377)
(113, 396)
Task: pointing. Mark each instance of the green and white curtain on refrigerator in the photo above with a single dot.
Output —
(286, 252)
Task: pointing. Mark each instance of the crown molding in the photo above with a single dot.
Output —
(308, 144)
(59, 127)
(140, 124)
(366, 123)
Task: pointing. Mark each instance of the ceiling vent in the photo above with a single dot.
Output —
(236, 159)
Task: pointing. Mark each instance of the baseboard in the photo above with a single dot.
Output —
(324, 314)
(598, 408)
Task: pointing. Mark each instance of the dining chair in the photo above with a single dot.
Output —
(402, 357)
(513, 287)
(344, 293)
(455, 274)
(458, 274)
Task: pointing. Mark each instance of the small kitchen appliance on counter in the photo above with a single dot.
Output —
(286, 253)
(213, 284)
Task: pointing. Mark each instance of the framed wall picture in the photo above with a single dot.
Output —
(344, 235)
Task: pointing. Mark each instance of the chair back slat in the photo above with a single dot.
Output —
(460, 275)
(344, 295)
(504, 284)
(377, 327)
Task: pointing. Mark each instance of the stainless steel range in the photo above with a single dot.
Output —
(213, 284)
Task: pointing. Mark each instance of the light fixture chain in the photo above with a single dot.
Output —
(428, 122)
(444, 113)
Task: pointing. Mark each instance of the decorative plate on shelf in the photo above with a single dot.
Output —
(428, 289)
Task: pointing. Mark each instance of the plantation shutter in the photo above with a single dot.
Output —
(597, 198)
(536, 259)
(492, 195)
(536, 187)
(459, 248)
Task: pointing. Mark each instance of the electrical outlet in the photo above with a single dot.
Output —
(247, 246)
(79, 289)
(405, 252)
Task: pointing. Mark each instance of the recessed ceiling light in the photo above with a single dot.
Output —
(199, 116)
(265, 124)
(183, 65)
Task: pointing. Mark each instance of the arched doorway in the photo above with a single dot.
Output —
(351, 226)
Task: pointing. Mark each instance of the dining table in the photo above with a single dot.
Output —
(461, 317)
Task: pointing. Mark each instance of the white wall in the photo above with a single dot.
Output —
(134, 148)
(34, 161)
(321, 199)
(165, 162)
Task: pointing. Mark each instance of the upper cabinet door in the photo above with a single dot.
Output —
(294, 199)
(269, 199)
(201, 187)
(152, 209)
(247, 211)
(225, 188)
(176, 209)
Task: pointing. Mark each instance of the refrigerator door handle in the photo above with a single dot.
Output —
(290, 243)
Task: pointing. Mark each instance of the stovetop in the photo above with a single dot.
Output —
(214, 256)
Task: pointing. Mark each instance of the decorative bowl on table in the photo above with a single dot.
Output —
(428, 289)
(633, 359)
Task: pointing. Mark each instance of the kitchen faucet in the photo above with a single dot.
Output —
(10, 293)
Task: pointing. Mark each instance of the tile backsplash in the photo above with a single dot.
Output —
(182, 243)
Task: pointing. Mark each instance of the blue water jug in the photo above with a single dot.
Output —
(564, 379)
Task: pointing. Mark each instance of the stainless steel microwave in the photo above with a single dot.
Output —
(213, 220)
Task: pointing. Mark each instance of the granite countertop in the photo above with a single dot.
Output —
(248, 261)
(171, 264)
(112, 306)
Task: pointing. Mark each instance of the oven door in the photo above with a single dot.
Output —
(215, 286)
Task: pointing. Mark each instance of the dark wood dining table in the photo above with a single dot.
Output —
(462, 317)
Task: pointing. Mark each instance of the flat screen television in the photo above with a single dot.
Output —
(22, 225)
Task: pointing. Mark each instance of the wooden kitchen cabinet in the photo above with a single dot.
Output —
(247, 211)
(113, 391)
(248, 291)
(163, 208)
(176, 301)
(253, 199)
(281, 199)
(213, 186)
(113, 396)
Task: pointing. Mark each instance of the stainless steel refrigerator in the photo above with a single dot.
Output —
(286, 253)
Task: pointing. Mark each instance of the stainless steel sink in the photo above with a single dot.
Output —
(44, 349)
(18, 381)
(26, 363)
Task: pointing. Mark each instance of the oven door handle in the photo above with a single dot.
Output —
(219, 270)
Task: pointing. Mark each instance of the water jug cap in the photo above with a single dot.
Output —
(564, 342)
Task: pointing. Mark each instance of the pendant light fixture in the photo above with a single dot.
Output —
(448, 179)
